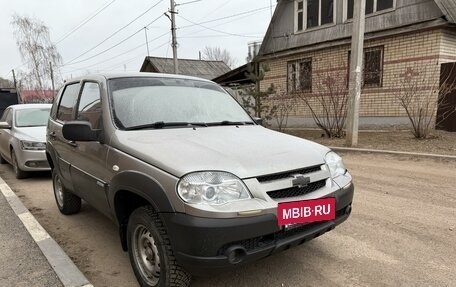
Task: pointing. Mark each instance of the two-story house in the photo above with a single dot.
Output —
(403, 39)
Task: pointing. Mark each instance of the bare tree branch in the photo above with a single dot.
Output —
(327, 102)
(217, 54)
(37, 50)
(422, 92)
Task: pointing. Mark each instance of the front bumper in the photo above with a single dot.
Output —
(32, 160)
(205, 245)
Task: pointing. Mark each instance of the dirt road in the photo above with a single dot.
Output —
(402, 232)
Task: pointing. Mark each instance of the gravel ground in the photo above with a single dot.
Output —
(440, 143)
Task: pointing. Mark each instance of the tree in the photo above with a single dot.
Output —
(285, 104)
(327, 102)
(258, 103)
(217, 54)
(421, 93)
(37, 51)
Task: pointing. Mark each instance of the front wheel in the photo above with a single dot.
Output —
(18, 172)
(150, 251)
(67, 202)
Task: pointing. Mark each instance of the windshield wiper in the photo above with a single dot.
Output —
(160, 125)
(230, 123)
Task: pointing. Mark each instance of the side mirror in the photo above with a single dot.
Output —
(5, 125)
(80, 131)
(259, 121)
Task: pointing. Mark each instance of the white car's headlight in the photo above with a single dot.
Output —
(211, 188)
(335, 164)
(29, 145)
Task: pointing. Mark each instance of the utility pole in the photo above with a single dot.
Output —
(173, 32)
(52, 79)
(147, 42)
(356, 64)
(14, 79)
(15, 86)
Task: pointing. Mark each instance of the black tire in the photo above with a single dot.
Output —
(146, 221)
(67, 202)
(19, 173)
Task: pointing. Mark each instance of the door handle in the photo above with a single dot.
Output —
(73, 143)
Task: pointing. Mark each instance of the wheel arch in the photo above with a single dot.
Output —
(130, 190)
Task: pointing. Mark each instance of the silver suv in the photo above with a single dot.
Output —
(193, 182)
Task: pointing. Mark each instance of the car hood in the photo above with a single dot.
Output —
(36, 134)
(246, 151)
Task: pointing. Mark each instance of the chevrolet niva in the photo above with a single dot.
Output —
(193, 182)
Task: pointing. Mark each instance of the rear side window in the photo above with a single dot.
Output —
(89, 108)
(67, 102)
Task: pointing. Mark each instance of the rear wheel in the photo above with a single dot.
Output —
(67, 202)
(150, 251)
(17, 170)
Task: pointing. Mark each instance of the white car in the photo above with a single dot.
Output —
(23, 138)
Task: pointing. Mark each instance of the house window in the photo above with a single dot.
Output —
(314, 13)
(372, 6)
(372, 67)
(300, 75)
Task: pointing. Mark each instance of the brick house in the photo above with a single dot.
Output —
(403, 39)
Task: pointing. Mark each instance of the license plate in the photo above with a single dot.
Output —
(306, 211)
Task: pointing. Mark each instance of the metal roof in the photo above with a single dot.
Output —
(197, 68)
(448, 8)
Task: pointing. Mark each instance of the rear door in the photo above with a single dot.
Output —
(62, 147)
(88, 164)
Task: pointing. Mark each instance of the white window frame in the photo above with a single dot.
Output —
(304, 16)
(296, 11)
(345, 9)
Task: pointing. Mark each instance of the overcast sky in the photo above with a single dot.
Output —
(63, 16)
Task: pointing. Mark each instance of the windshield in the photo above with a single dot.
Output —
(32, 117)
(141, 102)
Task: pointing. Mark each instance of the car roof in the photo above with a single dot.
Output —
(29, 106)
(136, 75)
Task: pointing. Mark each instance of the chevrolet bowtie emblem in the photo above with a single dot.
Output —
(300, 180)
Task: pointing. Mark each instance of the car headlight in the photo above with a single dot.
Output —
(28, 145)
(335, 164)
(211, 188)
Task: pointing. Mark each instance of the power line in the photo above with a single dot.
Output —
(112, 47)
(215, 30)
(119, 55)
(115, 33)
(257, 11)
(110, 68)
(216, 9)
(244, 14)
(85, 21)
(226, 17)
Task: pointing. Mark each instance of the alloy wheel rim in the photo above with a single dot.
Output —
(146, 255)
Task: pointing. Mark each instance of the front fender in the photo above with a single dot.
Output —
(142, 185)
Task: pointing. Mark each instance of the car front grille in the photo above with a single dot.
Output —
(287, 174)
(296, 190)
